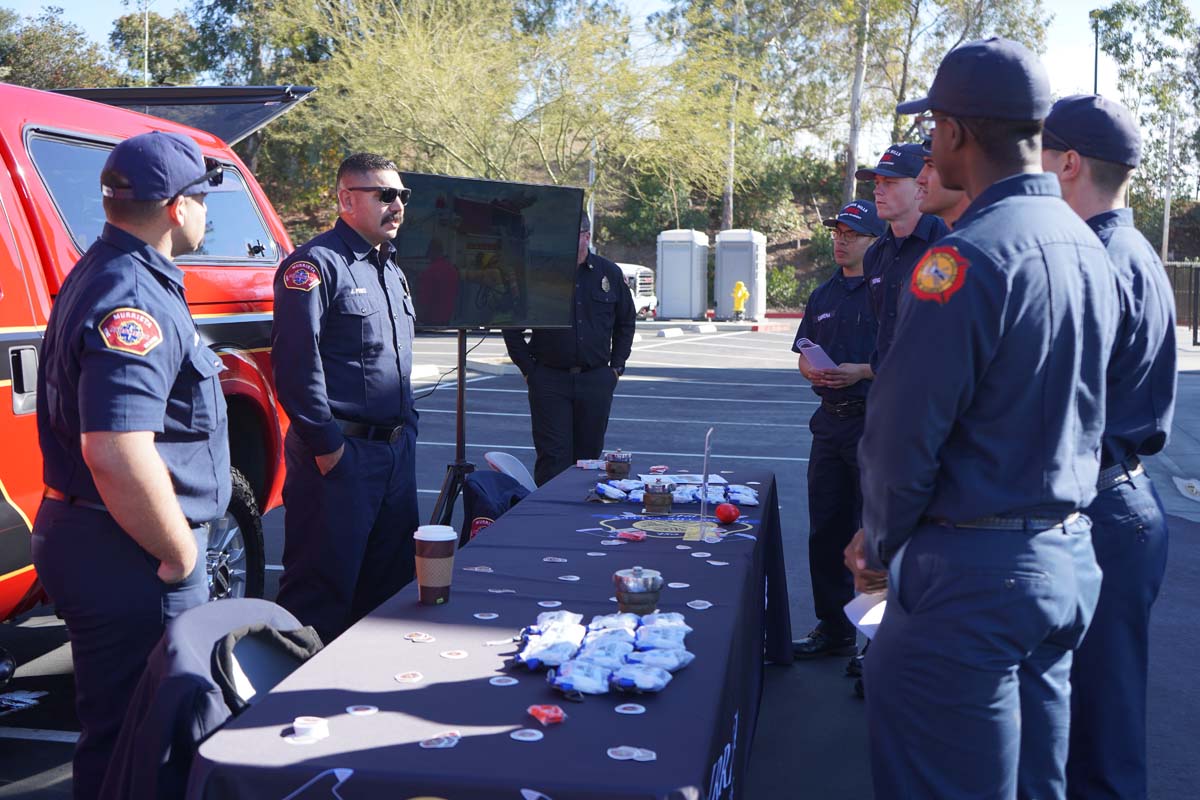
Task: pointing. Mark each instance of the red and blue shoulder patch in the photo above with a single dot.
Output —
(130, 330)
(939, 274)
(301, 275)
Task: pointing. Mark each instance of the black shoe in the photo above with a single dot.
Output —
(817, 643)
(860, 689)
(854, 669)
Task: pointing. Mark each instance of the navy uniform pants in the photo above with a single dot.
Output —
(1108, 678)
(968, 692)
(834, 510)
(105, 587)
(569, 415)
(348, 542)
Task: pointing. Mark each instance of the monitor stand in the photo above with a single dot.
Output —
(460, 468)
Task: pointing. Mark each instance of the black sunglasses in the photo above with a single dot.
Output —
(214, 174)
(387, 194)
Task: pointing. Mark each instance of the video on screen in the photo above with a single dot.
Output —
(480, 254)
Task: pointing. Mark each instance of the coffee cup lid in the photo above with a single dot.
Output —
(435, 533)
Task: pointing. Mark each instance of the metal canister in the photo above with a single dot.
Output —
(658, 497)
(637, 589)
(617, 464)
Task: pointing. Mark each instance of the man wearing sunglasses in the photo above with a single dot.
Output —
(981, 446)
(1093, 145)
(132, 428)
(839, 318)
(342, 354)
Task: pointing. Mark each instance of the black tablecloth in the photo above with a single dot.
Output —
(700, 726)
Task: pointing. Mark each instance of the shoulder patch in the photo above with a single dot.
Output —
(940, 273)
(301, 275)
(130, 330)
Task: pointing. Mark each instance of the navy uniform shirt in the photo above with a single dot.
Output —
(1141, 375)
(888, 264)
(993, 398)
(341, 343)
(839, 317)
(122, 354)
(602, 322)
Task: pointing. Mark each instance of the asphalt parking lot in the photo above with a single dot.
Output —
(811, 740)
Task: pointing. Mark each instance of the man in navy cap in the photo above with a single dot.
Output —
(132, 427)
(342, 353)
(936, 199)
(980, 448)
(889, 262)
(837, 317)
(1093, 145)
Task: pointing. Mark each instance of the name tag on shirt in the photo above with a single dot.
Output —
(875, 281)
(358, 290)
(824, 316)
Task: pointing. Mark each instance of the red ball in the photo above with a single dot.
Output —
(727, 512)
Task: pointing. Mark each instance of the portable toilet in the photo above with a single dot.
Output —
(682, 274)
(741, 256)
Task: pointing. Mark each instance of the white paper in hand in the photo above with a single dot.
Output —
(815, 355)
(866, 612)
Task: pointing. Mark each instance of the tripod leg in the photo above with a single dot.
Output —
(452, 486)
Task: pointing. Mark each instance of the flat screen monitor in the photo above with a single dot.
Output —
(489, 254)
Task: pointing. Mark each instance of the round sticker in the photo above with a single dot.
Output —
(503, 680)
(630, 708)
(678, 585)
(622, 753)
(611, 542)
(594, 554)
(719, 563)
(503, 591)
(419, 637)
(486, 615)
(409, 677)
(554, 560)
(454, 655)
(568, 578)
(683, 547)
(753, 483)
(699, 605)
(361, 711)
(711, 538)
(527, 735)
(549, 603)
(699, 554)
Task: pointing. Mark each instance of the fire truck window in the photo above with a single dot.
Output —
(70, 169)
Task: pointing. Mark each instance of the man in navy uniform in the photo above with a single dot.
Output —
(838, 317)
(889, 262)
(342, 352)
(1093, 145)
(936, 199)
(572, 373)
(980, 448)
(132, 427)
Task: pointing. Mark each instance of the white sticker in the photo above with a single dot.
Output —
(454, 655)
(554, 560)
(549, 603)
(486, 615)
(678, 585)
(719, 563)
(700, 554)
(622, 753)
(409, 677)
(594, 554)
(630, 708)
(503, 680)
(568, 578)
(683, 547)
(527, 735)
(699, 605)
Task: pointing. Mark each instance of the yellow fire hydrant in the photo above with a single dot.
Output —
(740, 296)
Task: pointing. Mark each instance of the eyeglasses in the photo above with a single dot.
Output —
(926, 123)
(213, 175)
(849, 237)
(387, 194)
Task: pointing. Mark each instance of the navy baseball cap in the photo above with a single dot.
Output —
(160, 166)
(898, 161)
(990, 78)
(1094, 127)
(859, 215)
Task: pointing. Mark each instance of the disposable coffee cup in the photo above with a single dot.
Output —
(435, 546)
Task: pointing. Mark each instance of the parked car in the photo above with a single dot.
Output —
(641, 283)
(53, 146)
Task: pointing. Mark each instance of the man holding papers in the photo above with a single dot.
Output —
(835, 341)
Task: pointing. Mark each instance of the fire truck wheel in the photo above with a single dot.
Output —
(236, 560)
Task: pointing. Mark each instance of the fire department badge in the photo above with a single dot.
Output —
(302, 275)
(604, 284)
(939, 275)
(130, 330)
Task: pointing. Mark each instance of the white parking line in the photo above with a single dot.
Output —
(625, 419)
(635, 452)
(677, 397)
(692, 339)
(39, 735)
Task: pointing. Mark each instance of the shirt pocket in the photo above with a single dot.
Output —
(208, 403)
(359, 322)
(604, 306)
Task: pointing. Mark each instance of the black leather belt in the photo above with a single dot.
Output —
(372, 433)
(571, 370)
(1119, 473)
(71, 500)
(845, 408)
(1009, 523)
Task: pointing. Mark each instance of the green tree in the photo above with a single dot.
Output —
(173, 55)
(47, 52)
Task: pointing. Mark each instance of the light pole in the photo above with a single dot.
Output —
(1094, 15)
